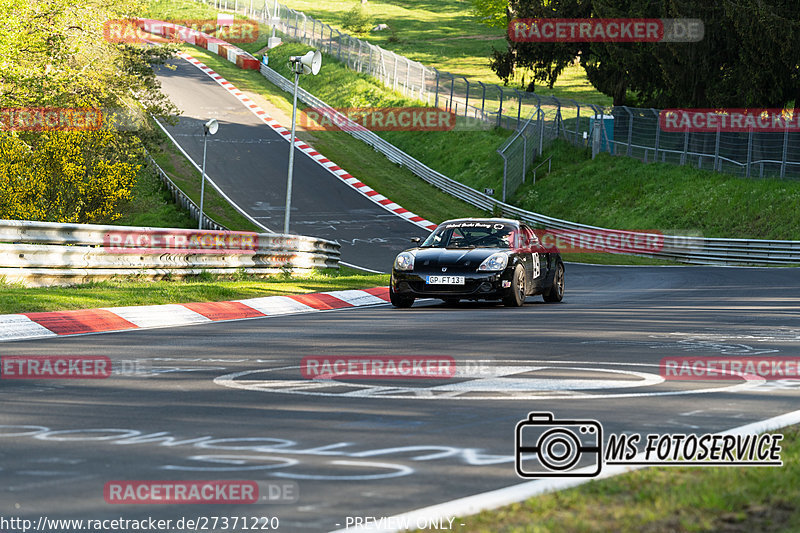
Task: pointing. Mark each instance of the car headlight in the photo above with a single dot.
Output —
(404, 261)
(494, 262)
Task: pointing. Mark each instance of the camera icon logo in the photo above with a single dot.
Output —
(545, 447)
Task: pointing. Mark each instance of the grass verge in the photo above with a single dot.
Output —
(133, 290)
(623, 193)
(665, 500)
(443, 35)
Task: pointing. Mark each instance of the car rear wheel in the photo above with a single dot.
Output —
(400, 301)
(516, 295)
(556, 292)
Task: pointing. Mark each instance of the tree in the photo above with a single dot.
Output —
(749, 57)
(53, 53)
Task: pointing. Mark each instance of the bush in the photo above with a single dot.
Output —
(358, 19)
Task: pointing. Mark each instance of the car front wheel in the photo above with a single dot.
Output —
(516, 295)
(400, 301)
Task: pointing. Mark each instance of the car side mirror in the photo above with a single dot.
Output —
(416, 240)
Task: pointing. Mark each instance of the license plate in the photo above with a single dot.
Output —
(444, 280)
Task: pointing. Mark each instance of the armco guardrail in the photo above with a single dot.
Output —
(685, 249)
(47, 253)
(181, 198)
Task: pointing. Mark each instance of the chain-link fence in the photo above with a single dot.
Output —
(637, 133)
(632, 132)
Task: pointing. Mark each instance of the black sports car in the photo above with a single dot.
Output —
(478, 259)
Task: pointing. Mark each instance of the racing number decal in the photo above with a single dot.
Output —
(535, 265)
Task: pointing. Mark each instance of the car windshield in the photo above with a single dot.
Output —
(471, 234)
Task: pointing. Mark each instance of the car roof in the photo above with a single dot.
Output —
(489, 220)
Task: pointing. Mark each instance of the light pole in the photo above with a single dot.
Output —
(309, 63)
(209, 127)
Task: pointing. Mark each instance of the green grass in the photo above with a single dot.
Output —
(665, 500)
(443, 35)
(151, 205)
(206, 287)
(623, 193)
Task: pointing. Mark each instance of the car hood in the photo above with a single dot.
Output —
(446, 257)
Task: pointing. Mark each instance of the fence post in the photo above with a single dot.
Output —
(630, 129)
(524, 156)
(505, 174)
(658, 132)
(577, 120)
(452, 89)
(394, 74)
(500, 110)
(408, 77)
(466, 104)
(483, 98)
(519, 107)
(436, 99)
(785, 149)
(685, 146)
(541, 130)
(716, 149)
(349, 49)
(749, 151)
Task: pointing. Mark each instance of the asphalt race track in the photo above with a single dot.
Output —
(249, 161)
(227, 400)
